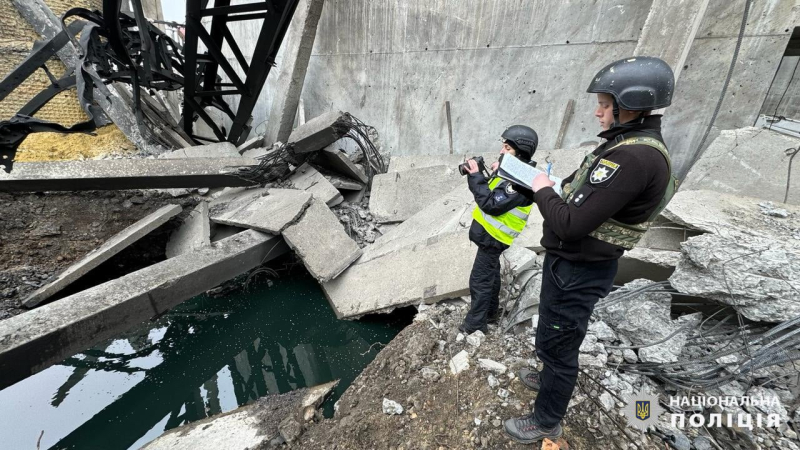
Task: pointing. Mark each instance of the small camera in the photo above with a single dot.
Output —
(463, 167)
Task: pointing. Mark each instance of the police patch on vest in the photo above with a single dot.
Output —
(603, 172)
(510, 189)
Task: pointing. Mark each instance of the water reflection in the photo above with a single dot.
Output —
(205, 357)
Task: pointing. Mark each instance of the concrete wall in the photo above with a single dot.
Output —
(768, 30)
(500, 62)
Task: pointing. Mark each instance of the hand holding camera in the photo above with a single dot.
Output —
(472, 166)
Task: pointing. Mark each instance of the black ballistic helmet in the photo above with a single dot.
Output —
(523, 139)
(638, 83)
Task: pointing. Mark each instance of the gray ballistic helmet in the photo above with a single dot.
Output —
(523, 139)
(638, 83)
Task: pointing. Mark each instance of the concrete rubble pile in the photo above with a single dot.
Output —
(239, 224)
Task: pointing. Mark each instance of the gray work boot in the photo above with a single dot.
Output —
(530, 378)
(525, 430)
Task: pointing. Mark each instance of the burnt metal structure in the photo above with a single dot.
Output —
(115, 47)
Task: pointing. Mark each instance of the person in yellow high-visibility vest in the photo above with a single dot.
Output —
(500, 214)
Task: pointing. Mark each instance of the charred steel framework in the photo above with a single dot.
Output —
(115, 47)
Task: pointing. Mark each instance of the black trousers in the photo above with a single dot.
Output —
(484, 288)
(569, 292)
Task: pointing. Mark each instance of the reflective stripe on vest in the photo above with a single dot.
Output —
(612, 231)
(506, 226)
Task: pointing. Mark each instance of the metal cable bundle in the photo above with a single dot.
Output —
(275, 164)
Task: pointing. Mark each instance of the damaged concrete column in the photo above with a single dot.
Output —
(296, 54)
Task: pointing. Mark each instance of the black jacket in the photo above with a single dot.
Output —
(630, 194)
(502, 199)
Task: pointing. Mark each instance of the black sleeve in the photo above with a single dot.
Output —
(501, 199)
(620, 179)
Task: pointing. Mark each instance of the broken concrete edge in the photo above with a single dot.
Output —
(99, 255)
(309, 179)
(299, 216)
(251, 144)
(318, 132)
(340, 163)
(244, 425)
(238, 216)
(193, 234)
(316, 205)
(390, 309)
(35, 340)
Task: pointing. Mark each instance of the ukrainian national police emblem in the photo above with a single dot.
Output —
(510, 189)
(603, 172)
(642, 410)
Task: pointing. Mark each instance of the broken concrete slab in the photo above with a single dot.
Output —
(645, 319)
(256, 153)
(344, 184)
(755, 274)
(339, 162)
(309, 179)
(216, 150)
(319, 239)
(318, 132)
(748, 161)
(37, 339)
(409, 276)
(399, 195)
(452, 212)
(113, 174)
(193, 234)
(111, 247)
(270, 211)
(519, 259)
(250, 144)
(712, 212)
(248, 427)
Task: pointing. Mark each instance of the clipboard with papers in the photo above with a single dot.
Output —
(516, 171)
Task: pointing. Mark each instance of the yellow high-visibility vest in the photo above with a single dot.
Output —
(506, 226)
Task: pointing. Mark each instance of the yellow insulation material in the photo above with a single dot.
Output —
(57, 146)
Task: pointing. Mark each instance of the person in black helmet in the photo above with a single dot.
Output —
(607, 205)
(501, 211)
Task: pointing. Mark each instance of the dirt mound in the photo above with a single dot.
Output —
(445, 411)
